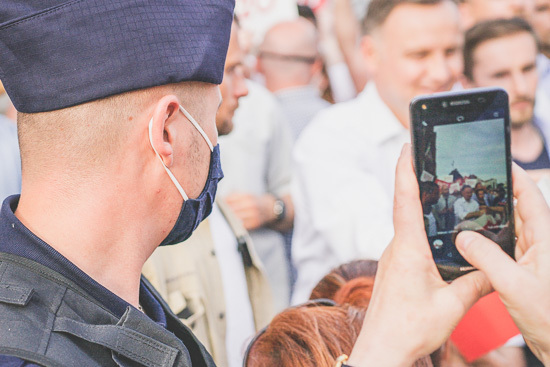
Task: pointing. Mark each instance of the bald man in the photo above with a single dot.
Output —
(290, 63)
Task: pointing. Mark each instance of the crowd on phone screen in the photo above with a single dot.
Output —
(316, 125)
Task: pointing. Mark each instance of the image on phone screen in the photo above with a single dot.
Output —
(463, 168)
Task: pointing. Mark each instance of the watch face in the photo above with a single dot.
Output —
(278, 207)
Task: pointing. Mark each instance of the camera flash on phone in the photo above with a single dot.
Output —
(424, 107)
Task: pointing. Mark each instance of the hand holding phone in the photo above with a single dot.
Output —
(461, 145)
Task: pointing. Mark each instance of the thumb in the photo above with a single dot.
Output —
(470, 287)
(488, 257)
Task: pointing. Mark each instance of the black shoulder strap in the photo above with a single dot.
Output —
(64, 326)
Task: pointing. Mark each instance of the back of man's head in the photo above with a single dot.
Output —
(289, 55)
(116, 60)
(84, 138)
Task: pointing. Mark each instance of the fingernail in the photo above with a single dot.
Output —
(466, 238)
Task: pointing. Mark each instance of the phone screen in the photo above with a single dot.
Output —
(463, 166)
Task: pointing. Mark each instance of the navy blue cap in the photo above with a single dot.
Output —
(58, 53)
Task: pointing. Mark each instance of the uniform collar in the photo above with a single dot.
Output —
(18, 240)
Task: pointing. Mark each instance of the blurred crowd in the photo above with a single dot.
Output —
(312, 122)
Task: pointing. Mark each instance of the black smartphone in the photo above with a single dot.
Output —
(462, 159)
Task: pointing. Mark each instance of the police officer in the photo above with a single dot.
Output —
(117, 104)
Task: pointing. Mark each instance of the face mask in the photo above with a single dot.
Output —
(193, 211)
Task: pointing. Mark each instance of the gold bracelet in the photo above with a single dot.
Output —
(341, 360)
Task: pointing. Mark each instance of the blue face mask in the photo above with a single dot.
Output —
(193, 211)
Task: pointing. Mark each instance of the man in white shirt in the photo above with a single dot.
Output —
(465, 207)
(345, 159)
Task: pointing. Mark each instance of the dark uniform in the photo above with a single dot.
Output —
(56, 54)
(54, 314)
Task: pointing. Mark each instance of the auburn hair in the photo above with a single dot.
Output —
(306, 337)
(338, 277)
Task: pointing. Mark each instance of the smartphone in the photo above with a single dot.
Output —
(462, 159)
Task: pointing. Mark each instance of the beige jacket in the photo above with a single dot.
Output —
(188, 277)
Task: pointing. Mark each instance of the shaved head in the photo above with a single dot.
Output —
(288, 55)
(296, 37)
(85, 136)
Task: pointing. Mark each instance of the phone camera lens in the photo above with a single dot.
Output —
(460, 118)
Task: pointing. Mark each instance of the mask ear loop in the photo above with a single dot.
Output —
(172, 177)
(197, 126)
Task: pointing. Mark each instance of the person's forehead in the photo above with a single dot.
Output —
(494, 4)
(416, 22)
(519, 46)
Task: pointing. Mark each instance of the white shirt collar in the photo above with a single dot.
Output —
(381, 122)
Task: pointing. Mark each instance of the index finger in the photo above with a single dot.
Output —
(407, 210)
(531, 204)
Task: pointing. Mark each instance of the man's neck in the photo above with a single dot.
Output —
(93, 231)
(401, 114)
(527, 143)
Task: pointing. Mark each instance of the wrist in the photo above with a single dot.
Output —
(376, 350)
(279, 210)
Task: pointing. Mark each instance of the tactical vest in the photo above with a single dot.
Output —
(47, 319)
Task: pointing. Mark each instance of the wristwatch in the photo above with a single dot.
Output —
(279, 209)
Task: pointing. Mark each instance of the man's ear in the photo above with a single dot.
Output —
(162, 133)
(370, 53)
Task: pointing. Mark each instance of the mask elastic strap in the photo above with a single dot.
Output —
(172, 177)
(197, 126)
